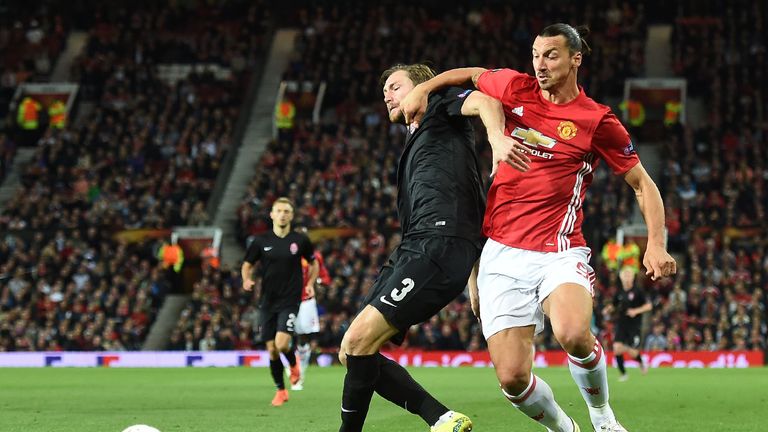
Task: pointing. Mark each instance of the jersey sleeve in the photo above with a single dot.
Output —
(495, 82)
(453, 100)
(253, 253)
(308, 250)
(613, 144)
(323, 275)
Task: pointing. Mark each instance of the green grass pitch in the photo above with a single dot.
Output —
(237, 399)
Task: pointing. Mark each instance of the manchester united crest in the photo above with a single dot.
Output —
(567, 130)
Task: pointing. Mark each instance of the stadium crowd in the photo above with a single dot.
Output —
(150, 155)
(714, 185)
(146, 157)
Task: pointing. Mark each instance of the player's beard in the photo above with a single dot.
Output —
(397, 116)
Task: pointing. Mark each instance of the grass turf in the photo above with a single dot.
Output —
(237, 399)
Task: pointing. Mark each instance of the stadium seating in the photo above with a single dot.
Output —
(714, 182)
(147, 158)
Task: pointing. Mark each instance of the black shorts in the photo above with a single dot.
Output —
(420, 277)
(628, 335)
(272, 321)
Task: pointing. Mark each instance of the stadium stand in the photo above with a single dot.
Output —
(714, 184)
(146, 157)
(67, 284)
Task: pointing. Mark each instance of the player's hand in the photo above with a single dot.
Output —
(508, 150)
(474, 302)
(658, 262)
(310, 288)
(248, 284)
(631, 313)
(414, 105)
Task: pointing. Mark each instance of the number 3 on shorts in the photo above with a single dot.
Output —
(399, 294)
(290, 321)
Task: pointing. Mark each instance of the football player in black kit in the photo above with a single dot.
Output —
(629, 304)
(279, 253)
(440, 204)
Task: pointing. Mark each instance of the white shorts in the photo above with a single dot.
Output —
(307, 321)
(512, 283)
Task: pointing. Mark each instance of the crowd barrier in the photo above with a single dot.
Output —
(677, 359)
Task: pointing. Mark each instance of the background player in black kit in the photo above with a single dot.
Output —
(279, 252)
(440, 204)
(629, 305)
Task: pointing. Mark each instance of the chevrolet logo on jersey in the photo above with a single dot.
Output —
(533, 138)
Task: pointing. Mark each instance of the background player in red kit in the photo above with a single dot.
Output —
(308, 320)
(535, 261)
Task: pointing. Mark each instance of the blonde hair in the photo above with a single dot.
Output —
(418, 73)
(283, 200)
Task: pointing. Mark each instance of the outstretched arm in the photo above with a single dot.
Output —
(657, 261)
(491, 113)
(415, 104)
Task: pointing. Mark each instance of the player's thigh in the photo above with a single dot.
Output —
(286, 319)
(511, 352)
(569, 308)
(267, 326)
(567, 290)
(367, 332)
(508, 284)
(429, 274)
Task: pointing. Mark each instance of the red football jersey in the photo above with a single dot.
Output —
(541, 210)
(322, 275)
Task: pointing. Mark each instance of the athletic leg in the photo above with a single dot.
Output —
(512, 355)
(569, 308)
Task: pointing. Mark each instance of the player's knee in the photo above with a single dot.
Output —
(283, 346)
(576, 342)
(357, 341)
(514, 380)
(274, 353)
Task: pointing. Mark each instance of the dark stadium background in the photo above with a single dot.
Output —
(172, 124)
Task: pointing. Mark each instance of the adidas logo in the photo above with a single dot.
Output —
(518, 111)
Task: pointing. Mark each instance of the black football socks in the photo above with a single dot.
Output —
(396, 385)
(276, 367)
(359, 382)
(620, 363)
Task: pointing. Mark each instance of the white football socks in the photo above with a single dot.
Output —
(591, 375)
(538, 402)
(305, 352)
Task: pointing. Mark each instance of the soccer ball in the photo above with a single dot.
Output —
(140, 428)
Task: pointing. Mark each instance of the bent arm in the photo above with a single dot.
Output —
(491, 113)
(647, 307)
(489, 110)
(245, 272)
(657, 261)
(460, 77)
(314, 270)
(650, 202)
(415, 103)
